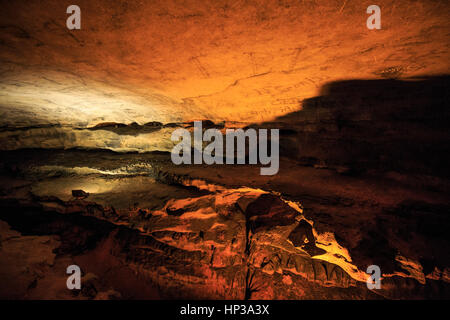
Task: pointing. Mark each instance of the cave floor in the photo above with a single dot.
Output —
(150, 229)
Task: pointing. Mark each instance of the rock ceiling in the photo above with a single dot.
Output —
(221, 60)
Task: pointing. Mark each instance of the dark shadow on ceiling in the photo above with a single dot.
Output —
(360, 125)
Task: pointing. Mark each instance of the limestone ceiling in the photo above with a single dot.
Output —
(174, 60)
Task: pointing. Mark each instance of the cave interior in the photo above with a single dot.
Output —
(87, 177)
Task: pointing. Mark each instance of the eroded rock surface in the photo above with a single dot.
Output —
(216, 243)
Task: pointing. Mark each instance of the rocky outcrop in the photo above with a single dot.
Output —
(205, 249)
(219, 245)
(194, 232)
